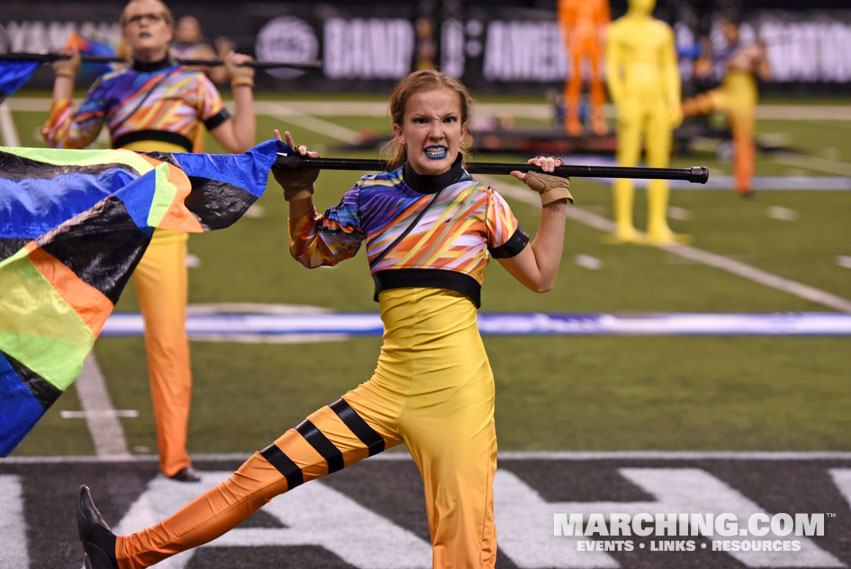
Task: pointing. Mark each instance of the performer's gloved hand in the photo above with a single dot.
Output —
(296, 182)
(68, 67)
(551, 188)
(239, 74)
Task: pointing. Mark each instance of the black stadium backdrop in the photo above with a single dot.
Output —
(493, 45)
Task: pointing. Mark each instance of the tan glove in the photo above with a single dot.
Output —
(239, 74)
(551, 188)
(296, 182)
(67, 67)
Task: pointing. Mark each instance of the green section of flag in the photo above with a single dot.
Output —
(73, 157)
(164, 194)
(37, 326)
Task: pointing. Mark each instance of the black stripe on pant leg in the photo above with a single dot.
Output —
(358, 426)
(332, 455)
(285, 466)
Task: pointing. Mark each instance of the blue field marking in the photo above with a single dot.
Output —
(513, 324)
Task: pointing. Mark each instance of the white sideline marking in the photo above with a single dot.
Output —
(104, 427)
(712, 259)
(7, 127)
(13, 526)
(844, 261)
(130, 413)
(842, 479)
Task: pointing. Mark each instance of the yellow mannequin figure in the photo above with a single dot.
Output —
(644, 83)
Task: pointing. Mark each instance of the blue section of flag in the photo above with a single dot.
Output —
(13, 74)
(249, 171)
(19, 409)
(33, 206)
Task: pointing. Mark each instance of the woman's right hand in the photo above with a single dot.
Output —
(296, 182)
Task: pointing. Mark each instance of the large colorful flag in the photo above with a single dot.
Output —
(73, 226)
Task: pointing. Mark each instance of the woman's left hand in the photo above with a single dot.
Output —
(551, 188)
(296, 182)
(239, 73)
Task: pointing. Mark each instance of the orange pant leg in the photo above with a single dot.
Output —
(744, 150)
(329, 439)
(161, 284)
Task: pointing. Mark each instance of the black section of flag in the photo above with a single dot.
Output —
(44, 391)
(11, 245)
(217, 204)
(102, 246)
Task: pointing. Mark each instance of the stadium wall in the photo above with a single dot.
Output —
(494, 47)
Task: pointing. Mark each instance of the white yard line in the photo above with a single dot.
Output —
(693, 253)
(299, 118)
(101, 416)
(7, 127)
(507, 455)
(813, 163)
(831, 113)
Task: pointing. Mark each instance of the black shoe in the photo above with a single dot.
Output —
(187, 474)
(98, 541)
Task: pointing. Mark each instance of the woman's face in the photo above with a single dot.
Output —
(145, 28)
(431, 130)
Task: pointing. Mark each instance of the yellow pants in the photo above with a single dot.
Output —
(432, 389)
(650, 120)
(160, 281)
(161, 284)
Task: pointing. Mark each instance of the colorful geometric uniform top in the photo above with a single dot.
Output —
(420, 231)
(162, 102)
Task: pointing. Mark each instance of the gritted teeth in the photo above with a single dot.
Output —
(436, 151)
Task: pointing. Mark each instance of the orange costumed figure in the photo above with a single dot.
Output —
(583, 24)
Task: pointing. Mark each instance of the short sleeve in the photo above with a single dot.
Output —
(211, 109)
(505, 236)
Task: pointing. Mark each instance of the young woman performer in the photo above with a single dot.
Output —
(429, 229)
(156, 104)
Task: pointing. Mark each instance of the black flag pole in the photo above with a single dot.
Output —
(695, 174)
(51, 57)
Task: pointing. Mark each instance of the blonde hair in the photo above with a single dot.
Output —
(169, 19)
(418, 82)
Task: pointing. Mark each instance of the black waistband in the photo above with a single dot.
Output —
(430, 278)
(152, 135)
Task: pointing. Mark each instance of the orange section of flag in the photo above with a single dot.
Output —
(89, 303)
